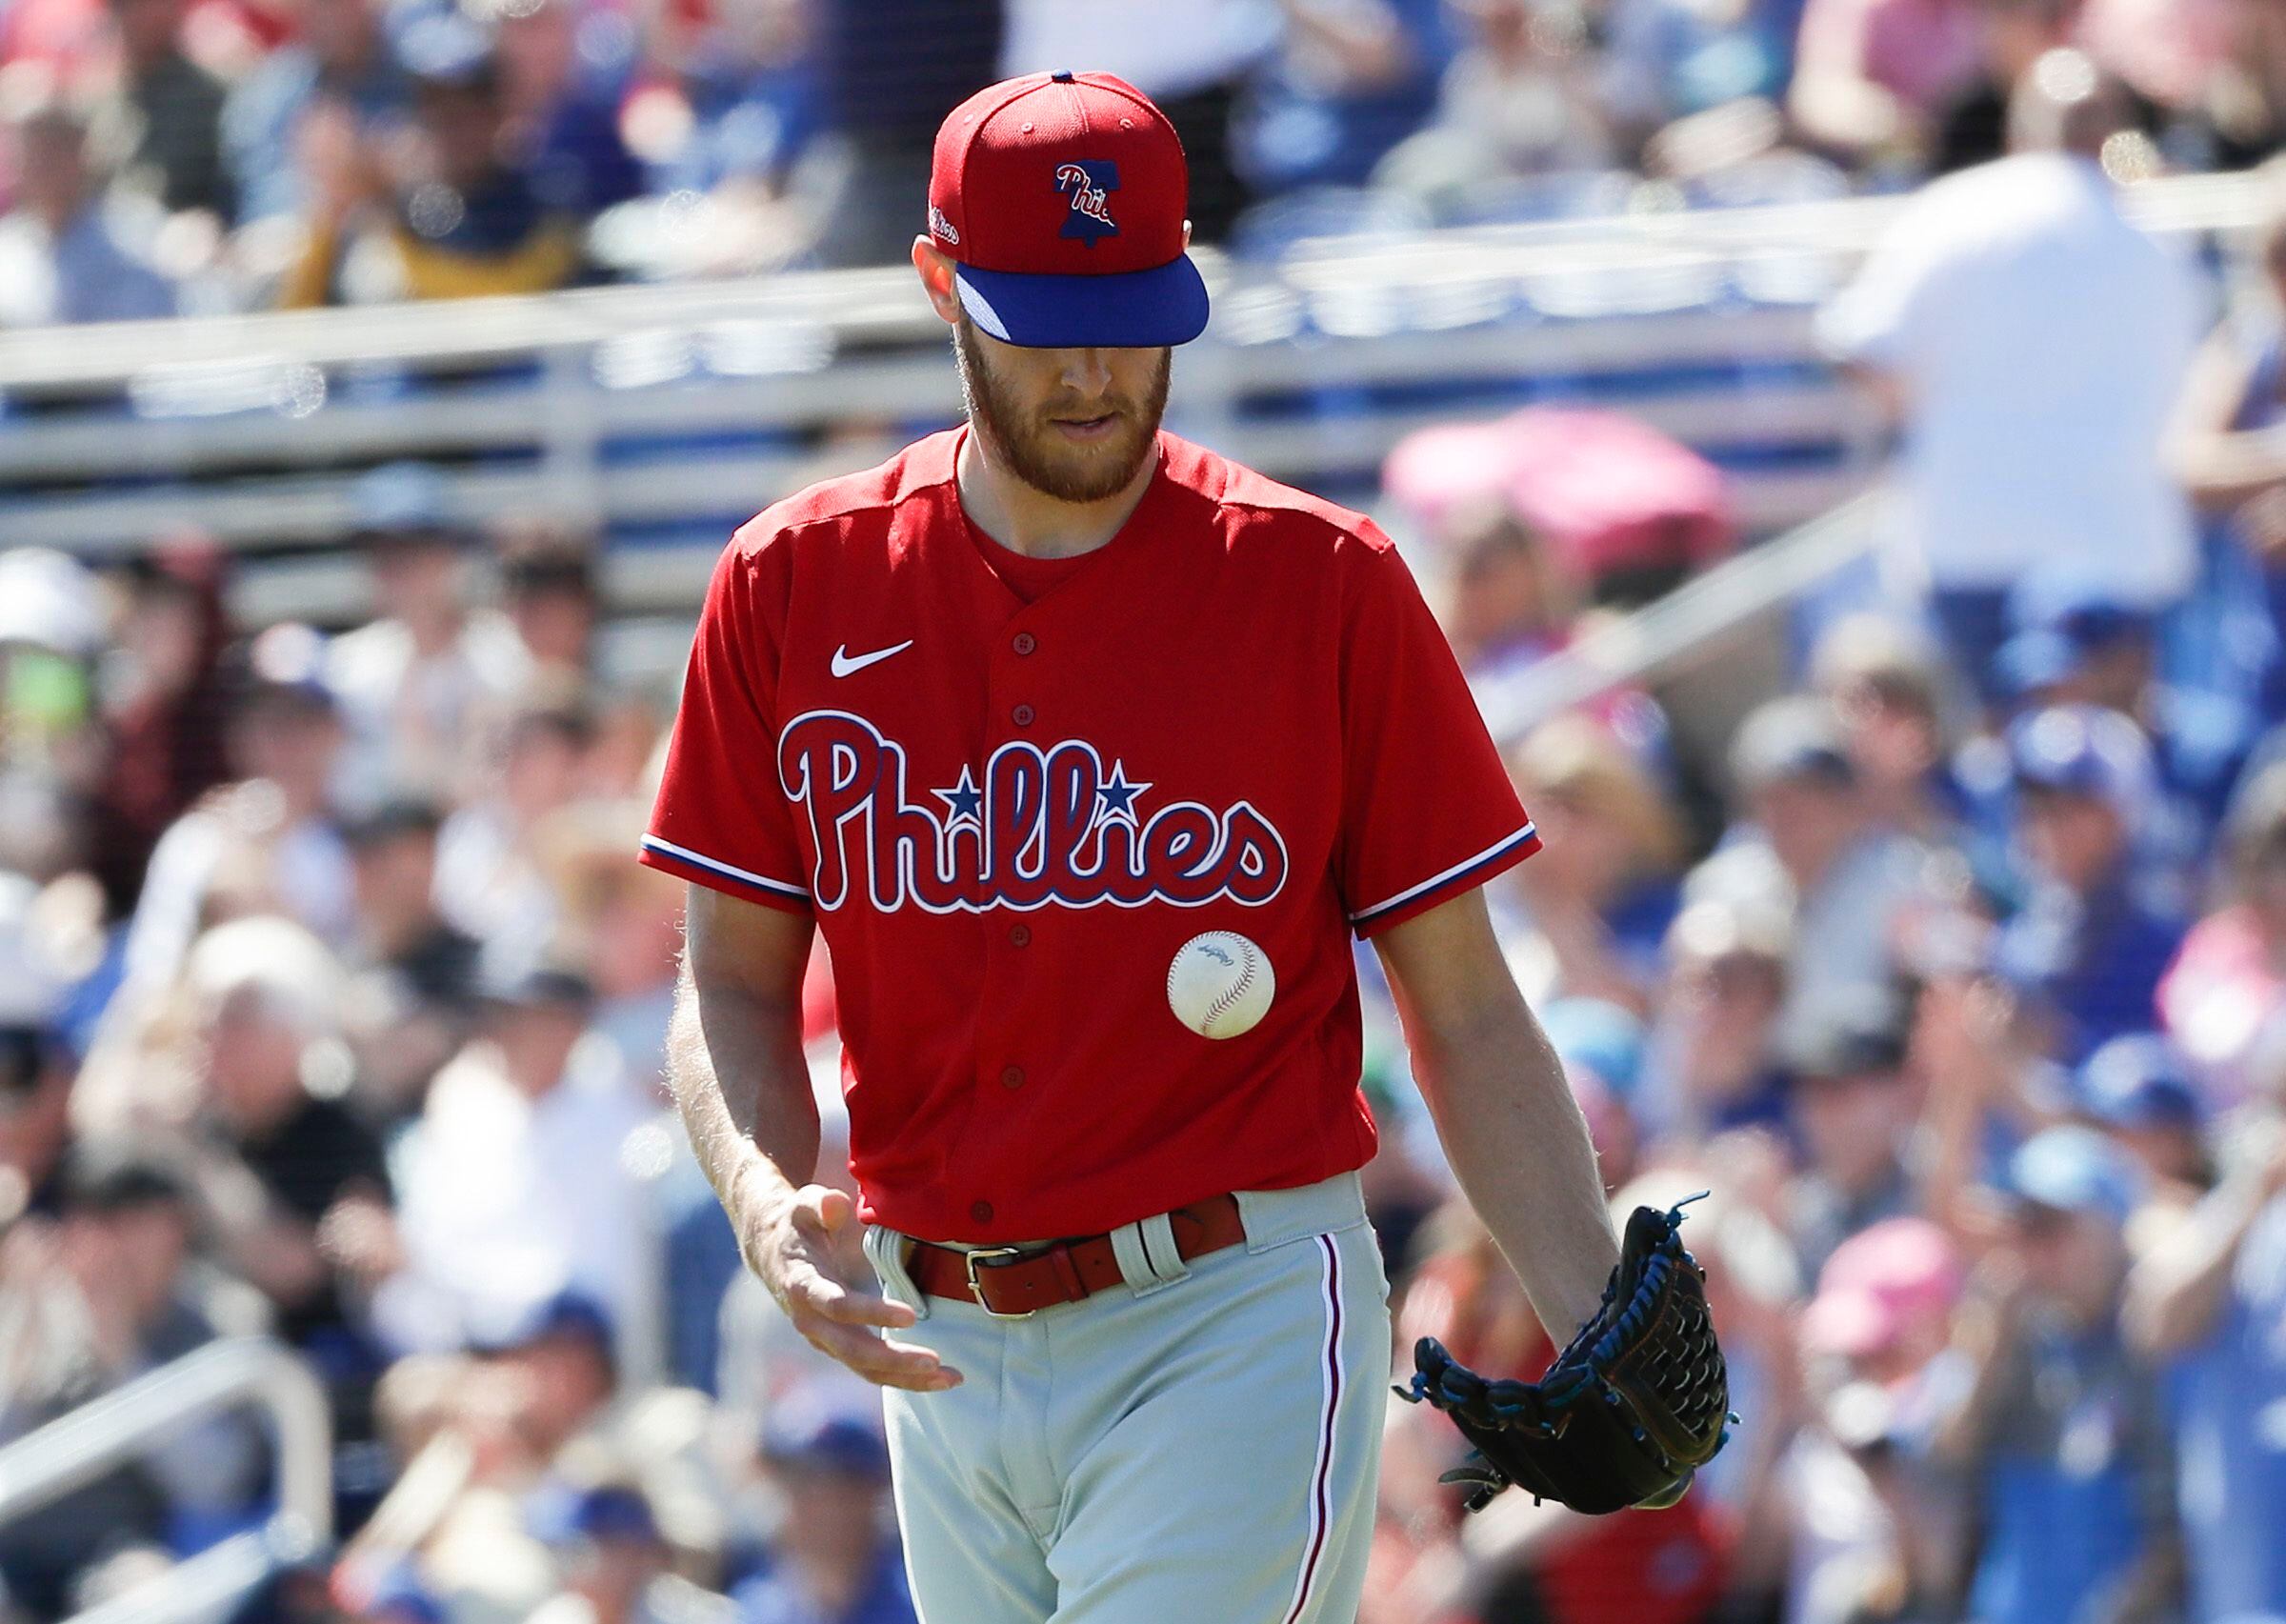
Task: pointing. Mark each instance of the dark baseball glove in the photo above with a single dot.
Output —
(1625, 1416)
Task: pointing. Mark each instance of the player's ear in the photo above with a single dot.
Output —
(1185, 236)
(935, 268)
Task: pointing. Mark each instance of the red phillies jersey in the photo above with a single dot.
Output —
(1238, 714)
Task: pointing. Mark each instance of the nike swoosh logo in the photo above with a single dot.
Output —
(846, 664)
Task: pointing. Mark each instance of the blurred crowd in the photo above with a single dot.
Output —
(1954, 967)
(203, 156)
(332, 1003)
(332, 1009)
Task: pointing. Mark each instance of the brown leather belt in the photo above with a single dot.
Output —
(1010, 1282)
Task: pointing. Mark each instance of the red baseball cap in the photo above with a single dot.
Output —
(1062, 198)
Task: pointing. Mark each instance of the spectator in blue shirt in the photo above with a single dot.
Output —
(1665, 59)
(2096, 930)
(756, 92)
(1850, 1106)
(341, 58)
(2141, 1091)
(1598, 919)
(460, 216)
(66, 251)
(2089, 647)
(564, 70)
(2212, 1296)
(1712, 1063)
(892, 69)
(746, 107)
(1351, 80)
(834, 1559)
(2056, 1427)
(115, 1289)
(612, 1560)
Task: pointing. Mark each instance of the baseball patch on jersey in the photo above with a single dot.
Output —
(1046, 825)
(1087, 181)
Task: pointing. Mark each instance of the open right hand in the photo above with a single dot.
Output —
(791, 1247)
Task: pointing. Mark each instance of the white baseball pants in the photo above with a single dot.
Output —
(1198, 1445)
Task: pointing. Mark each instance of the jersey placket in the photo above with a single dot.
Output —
(1006, 1065)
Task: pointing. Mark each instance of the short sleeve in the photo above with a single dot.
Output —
(721, 819)
(1877, 318)
(1428, 810)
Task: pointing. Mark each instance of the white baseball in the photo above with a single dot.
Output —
(1220, 984)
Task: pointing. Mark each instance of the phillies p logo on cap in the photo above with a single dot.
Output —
(1061, 199)
(1088, 183)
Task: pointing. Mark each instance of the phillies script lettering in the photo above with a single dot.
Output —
(1086, 197)
(1047, 825)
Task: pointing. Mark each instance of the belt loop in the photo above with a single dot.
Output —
(1158, 1245)
(1139, 1247)
(1137, 1266)
(885, 1250)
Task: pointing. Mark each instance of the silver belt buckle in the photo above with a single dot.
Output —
(977, 1286)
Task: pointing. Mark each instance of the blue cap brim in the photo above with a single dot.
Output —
(1132, 309)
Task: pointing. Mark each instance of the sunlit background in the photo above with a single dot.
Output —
(1846, 443)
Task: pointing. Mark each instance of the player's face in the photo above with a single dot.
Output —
(1074, 424)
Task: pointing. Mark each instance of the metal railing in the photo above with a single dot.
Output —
(665, 414)
(77, 1449)
(1667, 638)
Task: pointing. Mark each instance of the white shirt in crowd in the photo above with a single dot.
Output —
(1846, 1544)
(1168, 48)
(505, 1201)
(231, 834)
(421, 724)
(1843, 929)
(490, 884)
(2041, 339)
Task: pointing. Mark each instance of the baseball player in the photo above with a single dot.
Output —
(1088, 750)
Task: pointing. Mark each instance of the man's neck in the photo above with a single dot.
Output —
(255, 1117)
(1809, 864)
(1861, 1188)
(1032, 522)
(301, 800)
(345, 73)
(833, 1577)
(393, 937)
(59, 214)
(533, 1086)
(434, 633)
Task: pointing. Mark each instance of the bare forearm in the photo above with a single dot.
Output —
(734, 1061)
(2152, 1588)
(1366, 42)
(279, 1257)
(270, 1248)
(2176, 1295)
(1843, 109)
(1520, 1148)
(2223, 470)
